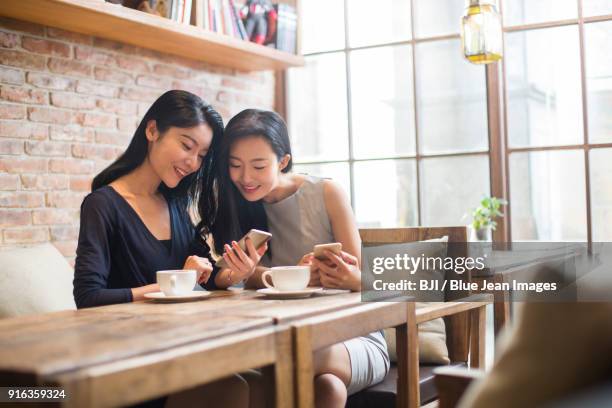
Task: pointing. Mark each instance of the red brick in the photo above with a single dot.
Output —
(143, 108)
(45, 182)
(11, 76)
(185, 62)
(47, 81)
(69, 67)
(94, 152)
(97, 88)
(93, 56)
(154, 82)
(113, 138)
(64, 233)
(112, 75)
(235, 84)
(171, 71)
(72, 101)
(139, 94)
(98, 120)
(15, 218)
(23, 95)
(8, 40)
(64, 199)
(80, 183)
(23, 165)
(50, 115)
(47, 148)
(127, 124)
(18, 25)
(66, 248)
(70, 166)
(70, 36)
(201, 91)
(46, 47)
(111, 45)
(23, 130)
(73, 132)
(9, 182)
(118, 107)
(224, 97)
(19, 199)
(28, 235)
(12, 111)
(52, 216)
(133, 64)
(11, 147)
(22, 59)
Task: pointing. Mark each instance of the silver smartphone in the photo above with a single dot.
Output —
(258, 237)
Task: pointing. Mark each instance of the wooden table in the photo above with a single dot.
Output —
(144, 350)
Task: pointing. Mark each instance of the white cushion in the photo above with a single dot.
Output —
(34, 279)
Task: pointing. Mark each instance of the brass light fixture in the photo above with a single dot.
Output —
(481, 32)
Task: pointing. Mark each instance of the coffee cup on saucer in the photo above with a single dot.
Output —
(287, 278)
(177, 282)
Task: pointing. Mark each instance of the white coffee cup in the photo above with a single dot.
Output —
(177, 282)
(287, 278)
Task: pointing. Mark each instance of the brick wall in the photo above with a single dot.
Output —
(69, 105)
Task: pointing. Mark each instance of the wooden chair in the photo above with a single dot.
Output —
(464, 316)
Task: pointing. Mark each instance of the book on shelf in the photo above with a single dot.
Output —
(286, 28)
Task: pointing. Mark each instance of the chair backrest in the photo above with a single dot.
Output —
(457, 326)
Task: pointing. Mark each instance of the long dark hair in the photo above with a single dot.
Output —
(236, 215)
(181, 109)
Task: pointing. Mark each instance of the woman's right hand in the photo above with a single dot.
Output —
(243, 264)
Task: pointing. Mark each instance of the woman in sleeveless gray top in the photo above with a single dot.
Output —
(256, 190)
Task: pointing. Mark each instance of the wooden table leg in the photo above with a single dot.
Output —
(407, 344)
(283, 370)
(501, 307)
(304, 367)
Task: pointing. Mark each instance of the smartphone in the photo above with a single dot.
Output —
(258, 237)
(335, 247)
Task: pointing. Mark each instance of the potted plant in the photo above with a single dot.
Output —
(483, 217)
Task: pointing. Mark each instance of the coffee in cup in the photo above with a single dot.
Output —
(177, 282)
(286, 278)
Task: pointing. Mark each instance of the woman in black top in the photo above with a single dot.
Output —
(136, 220)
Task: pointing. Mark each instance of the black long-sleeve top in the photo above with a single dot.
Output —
(116, 251)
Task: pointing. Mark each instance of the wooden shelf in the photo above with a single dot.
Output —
(122, 24)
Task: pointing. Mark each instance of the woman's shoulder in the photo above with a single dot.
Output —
(100, 200)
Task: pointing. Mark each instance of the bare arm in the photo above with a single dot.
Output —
(340, 213)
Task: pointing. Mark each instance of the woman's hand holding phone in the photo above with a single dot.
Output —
(243, 264)
(338, 271)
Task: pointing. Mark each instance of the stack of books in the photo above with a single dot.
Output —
(176, 10)
(286, 27)
(223, 16)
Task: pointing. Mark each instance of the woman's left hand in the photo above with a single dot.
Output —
(241, 263)
(339, 272)
(201, 265)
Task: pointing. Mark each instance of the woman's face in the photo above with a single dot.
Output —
(254, 167)
(179, 152)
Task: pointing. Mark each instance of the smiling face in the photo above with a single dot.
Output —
(179, 152)
(254, 167)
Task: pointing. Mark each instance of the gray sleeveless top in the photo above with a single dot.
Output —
(298, 223)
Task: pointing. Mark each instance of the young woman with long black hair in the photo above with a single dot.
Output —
(136, 220)
(257, 190)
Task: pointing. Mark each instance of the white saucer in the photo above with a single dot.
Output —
(193, 295)
(288, 294)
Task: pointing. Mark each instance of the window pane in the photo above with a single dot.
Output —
(382, 110)
(598, 43)
(596, 7)
(519, 12)
(322, 24)
(543, 87)
(339, 172)
(547, 196)
(601, 194)
(317, 109)
(437, 17)
(451, 99)
(380, 22)
(385, 193)
(451, 187)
